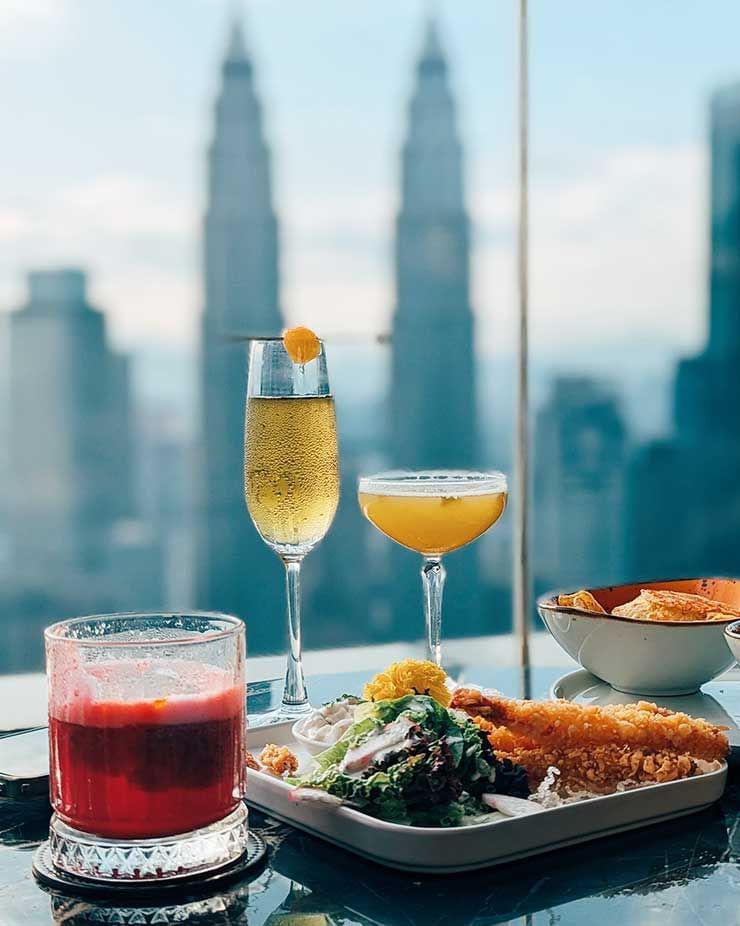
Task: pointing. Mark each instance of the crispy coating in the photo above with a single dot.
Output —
(596, 749)
(278, 759)
(250, 761)
(598, 769)
(583, 600)
(664, 605)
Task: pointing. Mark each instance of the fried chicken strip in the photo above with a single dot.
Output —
(598, 769)
(563, 725)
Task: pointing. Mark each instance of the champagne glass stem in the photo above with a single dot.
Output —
(433, 576)
(295, 698)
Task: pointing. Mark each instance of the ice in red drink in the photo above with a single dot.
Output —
(127, 764)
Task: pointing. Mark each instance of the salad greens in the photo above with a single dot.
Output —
(410, 760)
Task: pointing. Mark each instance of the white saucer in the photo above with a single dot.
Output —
(717, 702)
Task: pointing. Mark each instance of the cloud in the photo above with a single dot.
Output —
(30, 27)
(123, 205)
(146, 305)
(617, 251)
(23, 12)
(14, 224)
(139, 243)
(337, 256)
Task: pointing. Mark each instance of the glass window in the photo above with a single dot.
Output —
(635, 312)
(178, 182)
(315, 166)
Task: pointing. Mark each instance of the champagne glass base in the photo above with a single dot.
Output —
(137, 861)
(281, 714)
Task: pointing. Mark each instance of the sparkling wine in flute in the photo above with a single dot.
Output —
(291, 471)
(291, 475)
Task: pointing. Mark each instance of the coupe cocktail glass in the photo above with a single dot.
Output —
(146, 740)
(433, 512)
(291, 477)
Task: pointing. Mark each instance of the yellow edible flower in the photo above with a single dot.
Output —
(410, 676)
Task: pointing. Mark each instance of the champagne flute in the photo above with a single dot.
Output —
(433, 512)
(291, 476)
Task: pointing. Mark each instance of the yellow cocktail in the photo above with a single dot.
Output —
(433, 524)
(433, 512)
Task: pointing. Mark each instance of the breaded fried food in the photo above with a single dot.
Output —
(595, 749)
(279, 760)
(654, 604)
(583, 600)
(565, 725)
(598, 769)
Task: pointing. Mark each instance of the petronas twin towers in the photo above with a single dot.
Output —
(432, 401)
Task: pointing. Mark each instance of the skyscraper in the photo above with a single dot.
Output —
(579, 451)
(71, 457)
(433, 410)
(685, 502)
(70, 429)
(237, 573)
(707, 386)
(724, 284)
(432, 400)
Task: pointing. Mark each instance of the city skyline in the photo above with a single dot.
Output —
(613, 445)
(685, 505)
(72, 523)
(337, 189)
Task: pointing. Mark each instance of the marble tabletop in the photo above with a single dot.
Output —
(682, 872)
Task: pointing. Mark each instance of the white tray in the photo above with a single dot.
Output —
(466, 848)
(717, 702)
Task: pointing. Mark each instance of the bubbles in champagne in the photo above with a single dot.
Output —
(291, 472)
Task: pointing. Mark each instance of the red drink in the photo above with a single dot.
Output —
(128, 766)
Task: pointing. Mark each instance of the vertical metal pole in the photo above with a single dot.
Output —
(521, 458)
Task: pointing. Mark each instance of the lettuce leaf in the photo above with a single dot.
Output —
(433, 778)
(355, 735)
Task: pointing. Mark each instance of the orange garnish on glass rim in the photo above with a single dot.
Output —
(301, 344)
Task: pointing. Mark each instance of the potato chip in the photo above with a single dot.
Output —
(582, 600)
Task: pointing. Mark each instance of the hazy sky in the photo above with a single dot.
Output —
(107, 114)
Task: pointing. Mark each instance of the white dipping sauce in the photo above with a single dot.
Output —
(329, 723)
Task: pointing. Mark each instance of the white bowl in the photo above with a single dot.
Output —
(311, 746)
(639, 656)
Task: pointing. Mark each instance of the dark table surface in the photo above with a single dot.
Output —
(682, 872)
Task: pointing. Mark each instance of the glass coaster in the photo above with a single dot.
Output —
(141, 860)
(136, 896)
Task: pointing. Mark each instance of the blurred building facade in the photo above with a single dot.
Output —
(236, 571)
(579, 452)
(685, 494)
(76, 541)
(70, 429)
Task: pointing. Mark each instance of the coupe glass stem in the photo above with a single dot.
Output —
(295, 698)
(433, 576)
